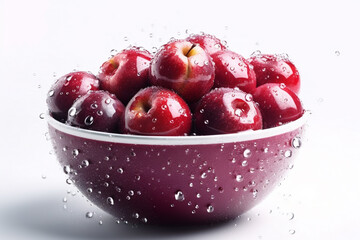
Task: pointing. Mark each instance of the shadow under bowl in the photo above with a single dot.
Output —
(176, 180)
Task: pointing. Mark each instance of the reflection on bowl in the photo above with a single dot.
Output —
(176, 180)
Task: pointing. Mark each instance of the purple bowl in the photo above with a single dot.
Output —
(176, 180)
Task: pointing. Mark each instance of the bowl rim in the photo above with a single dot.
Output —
(178, 140)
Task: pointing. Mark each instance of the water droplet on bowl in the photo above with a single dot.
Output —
(210, 208)
(296, 142)
(179, 196)
(247, 153)
(110, 201)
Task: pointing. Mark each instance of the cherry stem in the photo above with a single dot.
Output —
(194, 45)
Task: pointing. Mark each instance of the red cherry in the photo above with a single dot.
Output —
(66, 90)
(157, 111)
(126, 73)
(226, 110)
(99, 111)
(276, 69)
(232, 70)
(183, 67)
(209, 43)
(278, 104)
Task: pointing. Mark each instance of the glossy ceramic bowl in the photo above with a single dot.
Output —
(176, 180)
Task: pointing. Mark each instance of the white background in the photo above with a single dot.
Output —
(42, 40)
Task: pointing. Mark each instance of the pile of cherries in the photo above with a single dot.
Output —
(190, 86)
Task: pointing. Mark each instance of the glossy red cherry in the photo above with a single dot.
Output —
(157, 111)
(126, 73)
(276, 69)
(99, 111)
(66, 90)
(278, 104)
(232, 70)
(209, 43)
(226, 110)
(183, 67)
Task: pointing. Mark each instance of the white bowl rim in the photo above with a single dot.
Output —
(178, 140)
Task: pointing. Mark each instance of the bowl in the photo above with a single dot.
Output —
(176, 180)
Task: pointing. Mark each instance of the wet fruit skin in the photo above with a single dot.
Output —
(276, 69)
(209, 43)
(126, 73)
(183, 67)
(278, 104)
(226, 110)
(159, 112)
(232, 70)
(66, 90)
(99, 111)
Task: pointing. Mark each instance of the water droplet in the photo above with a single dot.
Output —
(67, 169)
(42, 115)
(203, 175)
(337, 53)
(51, 93)
(89, 214)
(282, 85)
(43, 176)
(69, 181)
(266, 150)
(201, 110)
(179, 196)
(85, 163)
(292, 231)
(100, 222)
(110, 201)
(144, 220)
(254, 193)
(107, 101)
(94, 106)
(296, 142)
(120, 170)
(248, 97)
(136, 215)
(206, 122)
(238, 112)
(239, 178)
(75, 152)
(89, 120)
(209, 208)
(72, 112)
(244, 163)
(288, 153)
(290, 215)
(89, 190)
(247, 153)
